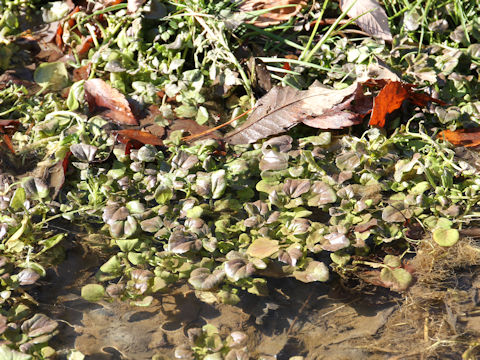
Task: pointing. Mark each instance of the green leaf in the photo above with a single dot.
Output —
(340, 258)
(397, 279)
(263, 247)
(75, 355)
(259, 287)
(112, 266)
(8, 354)
(158, 284)
(228, 297)
(76, 92)
(392, 261)
(163, 194)
(51, 242)
(126, 245)
(18, 198)
(446, 237)
(202, 115)
(51, 75)
(315, 271)
(93, 292)
(219, 183)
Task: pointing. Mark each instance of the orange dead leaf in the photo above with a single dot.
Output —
(137, 138)
(8, 142)
(462, 137)
(8, 128)
(391, 98)
(86, 45)
(289, 8)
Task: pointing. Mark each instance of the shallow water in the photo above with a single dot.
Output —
(317, 321)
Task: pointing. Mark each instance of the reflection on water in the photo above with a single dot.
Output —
(314, 321)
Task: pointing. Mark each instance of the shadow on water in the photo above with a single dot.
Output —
(317, 321)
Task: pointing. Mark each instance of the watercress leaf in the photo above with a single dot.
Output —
(296, 187)
(237, 269)
(8, 354)
(397, 279)
(315, 271)
(28, 277)
(203, 279)
(219, 183)
(321, 194)
(39, 324)
(18, 198)
(93, 292)
(446, 237)
(84, 152)
(262, 248)
(51, 75)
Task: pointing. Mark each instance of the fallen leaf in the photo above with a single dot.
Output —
(137, 137)
(462, 137)
(374, 22)
(82, 73)
(192, 127)
(7, 129)
(101, 95)
(284, 107)
(56, 177)
(134, 5)
(9, 126)
(86, 45)
(149, 123)
(391, 98)
(276, 16)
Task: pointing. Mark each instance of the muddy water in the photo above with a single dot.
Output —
(316, 321)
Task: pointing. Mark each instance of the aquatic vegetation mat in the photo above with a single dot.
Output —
(199, 151)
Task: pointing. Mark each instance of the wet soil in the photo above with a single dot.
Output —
(316, 321)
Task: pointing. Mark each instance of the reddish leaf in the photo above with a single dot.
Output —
(422, 99)
(391, 98)
(65, 161)
(58, 36)
(101, 95)
(8, 142)
(86, 45)
(82, 73)
(136, 137)
(9, 126)
(462, 137)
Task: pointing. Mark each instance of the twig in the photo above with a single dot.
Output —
(298, 314)
(206, 132)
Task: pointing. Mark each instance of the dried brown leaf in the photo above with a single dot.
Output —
(276, 16)
(138, 136)
(101, 95)
(284, 107)
(374, 23)
(134, 5)
(192, 127)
